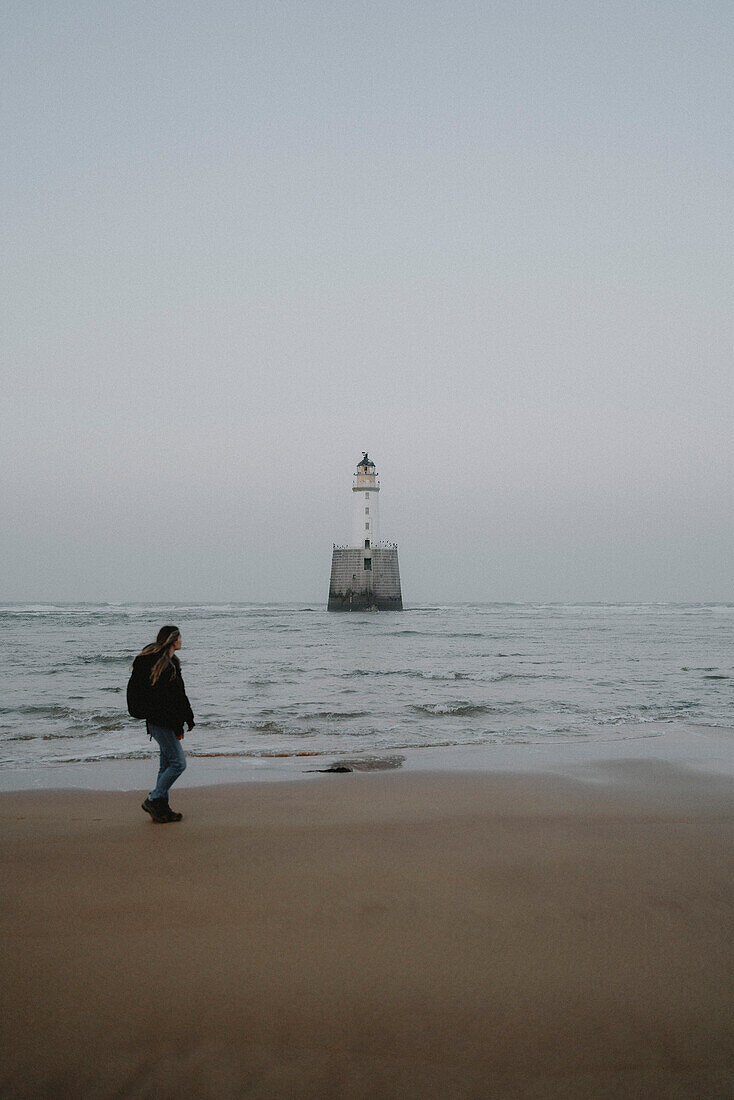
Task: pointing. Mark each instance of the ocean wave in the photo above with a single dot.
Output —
(411, 673)
(442, 633)
(382, 672)
(75, 720)
(39, 710)
(507, 676)
(106, 755)
(329, 715)
(460, 634)
(279, 730)
(458, 709)
(647, 712)
(106, 658)
(75, 734)
(257, 755)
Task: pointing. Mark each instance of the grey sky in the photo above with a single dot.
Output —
(490, 243)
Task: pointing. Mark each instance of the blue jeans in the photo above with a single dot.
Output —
(173, 760)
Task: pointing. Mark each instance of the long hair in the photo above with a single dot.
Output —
(167, 635)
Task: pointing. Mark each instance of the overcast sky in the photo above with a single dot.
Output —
(245, 240)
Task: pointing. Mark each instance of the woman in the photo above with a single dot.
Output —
(158, 694)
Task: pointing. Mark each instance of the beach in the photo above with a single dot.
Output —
(394, 934)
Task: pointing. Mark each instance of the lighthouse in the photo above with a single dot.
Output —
(365, 575)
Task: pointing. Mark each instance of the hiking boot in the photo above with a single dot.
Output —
(171, 815)
(158, 810)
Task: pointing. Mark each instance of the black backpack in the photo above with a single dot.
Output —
(138, 689)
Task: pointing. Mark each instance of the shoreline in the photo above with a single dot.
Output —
(412, 934)
(698, 749)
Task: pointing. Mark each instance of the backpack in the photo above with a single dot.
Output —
(138, 692)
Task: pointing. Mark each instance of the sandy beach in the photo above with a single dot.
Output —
(385, 935)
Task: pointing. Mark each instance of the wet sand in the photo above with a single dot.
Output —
(387, 935)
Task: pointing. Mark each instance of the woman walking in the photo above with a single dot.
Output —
(156, 692)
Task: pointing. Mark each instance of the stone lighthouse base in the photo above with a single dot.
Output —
(358, 586)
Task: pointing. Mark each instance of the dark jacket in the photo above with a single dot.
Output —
(165, 703)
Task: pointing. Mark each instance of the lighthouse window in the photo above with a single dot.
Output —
(366, 526)
(366, 511)
(368, 563)
(367, 496)
(366, 544)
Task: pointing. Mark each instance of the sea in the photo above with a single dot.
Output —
(285, 680)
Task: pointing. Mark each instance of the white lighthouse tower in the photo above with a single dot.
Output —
(365, 575)
(365, 491)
